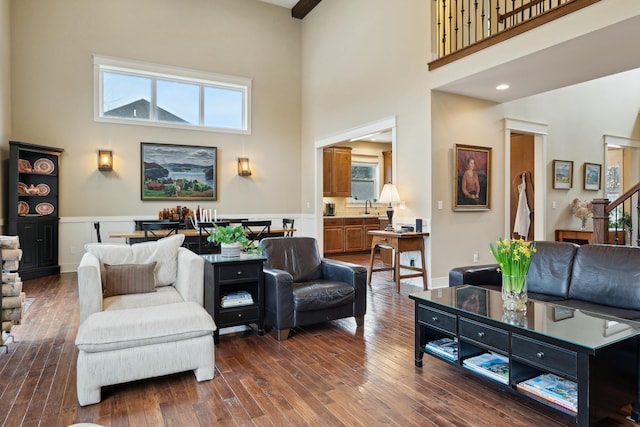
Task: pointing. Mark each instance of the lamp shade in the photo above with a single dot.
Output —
(105, 160)
(389, 194)
(243, 167)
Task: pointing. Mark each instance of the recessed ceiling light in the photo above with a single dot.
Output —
(502, 86)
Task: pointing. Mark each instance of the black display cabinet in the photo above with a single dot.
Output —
(33, 206)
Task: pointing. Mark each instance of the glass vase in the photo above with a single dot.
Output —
(514, 293)
(583, 226)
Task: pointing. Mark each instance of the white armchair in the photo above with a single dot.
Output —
(141, 315)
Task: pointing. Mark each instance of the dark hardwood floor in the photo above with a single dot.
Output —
(327, 375)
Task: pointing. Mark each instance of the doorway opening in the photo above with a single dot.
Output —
(524, 154)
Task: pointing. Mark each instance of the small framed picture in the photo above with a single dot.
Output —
(562, 313)
(562, 174)
(592, 173)
(472, 298)
(471, 178)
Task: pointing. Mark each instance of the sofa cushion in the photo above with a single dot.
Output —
(321, 294)
(550, 270)
(607, 275)
(122, 279)
(163, 295)
(115, 330)
(297, 255)
(164, 251)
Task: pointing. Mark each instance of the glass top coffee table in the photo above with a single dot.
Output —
(591, 360)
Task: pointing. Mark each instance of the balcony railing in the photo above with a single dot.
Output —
(466, 26)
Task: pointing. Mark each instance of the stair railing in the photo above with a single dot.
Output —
(621, 216)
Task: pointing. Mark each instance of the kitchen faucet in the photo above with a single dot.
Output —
(366, 212)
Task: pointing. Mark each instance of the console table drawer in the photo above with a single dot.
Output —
(239, 272)
(484, 334)
(437, 318)
(545, 356)
(241, 314)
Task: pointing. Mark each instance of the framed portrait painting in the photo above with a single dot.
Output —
(473, 299)
(591, 176)
(178, 172)
(471, 178)
(562, 174)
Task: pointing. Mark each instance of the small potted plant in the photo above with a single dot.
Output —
(232, 239)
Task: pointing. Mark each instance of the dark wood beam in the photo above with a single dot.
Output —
(303, 7)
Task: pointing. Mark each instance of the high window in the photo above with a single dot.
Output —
(149, 94)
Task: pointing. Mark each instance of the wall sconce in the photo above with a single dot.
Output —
(105, 160)
(243, 166)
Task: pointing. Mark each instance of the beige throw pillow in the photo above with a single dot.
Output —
(125, 279)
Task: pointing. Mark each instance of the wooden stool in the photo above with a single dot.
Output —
(399, 242)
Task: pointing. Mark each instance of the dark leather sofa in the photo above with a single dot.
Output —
(301, 288)
(602, 279)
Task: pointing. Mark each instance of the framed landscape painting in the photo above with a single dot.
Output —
(178, 172)
(562, 174)
(471, 178)
(592, 176)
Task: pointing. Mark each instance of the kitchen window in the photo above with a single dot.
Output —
(364, 181)
(149, 94)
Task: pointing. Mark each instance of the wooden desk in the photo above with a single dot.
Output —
(399, 242)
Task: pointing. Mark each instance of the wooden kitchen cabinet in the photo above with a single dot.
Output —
(343, 235)
(353, 234)
(333, 235)
(337, 172)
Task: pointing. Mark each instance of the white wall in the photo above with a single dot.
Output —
(52, 82)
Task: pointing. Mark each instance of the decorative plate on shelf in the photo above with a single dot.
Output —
(24, 165)
(22, 188)
(44, 208)
(23, 208)
(43, 189)
(45, 166)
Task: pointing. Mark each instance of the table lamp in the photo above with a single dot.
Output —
(389, 195)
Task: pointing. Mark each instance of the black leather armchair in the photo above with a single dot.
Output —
(301, 288)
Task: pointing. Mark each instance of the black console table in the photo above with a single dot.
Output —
(599, 354)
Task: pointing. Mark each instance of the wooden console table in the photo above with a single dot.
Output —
(399, 242)
(580, 237)
(583, 237)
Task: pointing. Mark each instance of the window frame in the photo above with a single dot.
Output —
(172, 74)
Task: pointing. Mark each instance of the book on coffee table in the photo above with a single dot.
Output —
(550, 387)
(492, 365)
(445, 347)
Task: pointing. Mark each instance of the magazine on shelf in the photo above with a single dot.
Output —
(236, 299)
(553, 388)
(445, 347)
(236, 303)
(491, 365)
(237, 295)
